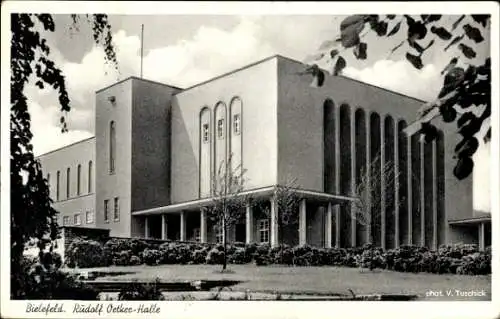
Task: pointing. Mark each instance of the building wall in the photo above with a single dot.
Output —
(150, 144)
(117, 184)
(301, 146)
(256, 87)
(80, 153)
(300, 117)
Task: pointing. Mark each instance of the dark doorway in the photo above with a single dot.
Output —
(241, 232)
(173, 227)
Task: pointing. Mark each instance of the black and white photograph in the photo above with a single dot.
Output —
(251, 154)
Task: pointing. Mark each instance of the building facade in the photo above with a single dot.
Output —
(148, 170)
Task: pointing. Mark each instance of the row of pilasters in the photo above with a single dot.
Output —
(414, 213)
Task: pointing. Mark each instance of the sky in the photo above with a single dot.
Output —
(183, 50)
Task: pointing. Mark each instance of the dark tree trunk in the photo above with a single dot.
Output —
(224, 262)
(371, 249)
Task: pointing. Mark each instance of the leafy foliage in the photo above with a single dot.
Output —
(138, 291)
(32, 215)
(463, 90)
(85, 253)
(41, 278)
(227, 206)
(287, 204)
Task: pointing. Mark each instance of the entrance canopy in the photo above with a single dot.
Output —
(486, 218)
(254, 193)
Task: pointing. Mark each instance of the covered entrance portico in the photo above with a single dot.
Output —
(475, 230)
(188, 221)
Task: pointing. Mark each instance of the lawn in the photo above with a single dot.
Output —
(331, 280)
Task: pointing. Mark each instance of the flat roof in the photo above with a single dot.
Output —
(298, 62)
(139, 79)
(470, 220)
(66, 146)
(258, 192)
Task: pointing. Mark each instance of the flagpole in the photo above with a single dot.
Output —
(142, 45)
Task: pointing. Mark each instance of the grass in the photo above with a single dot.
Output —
(312, 280)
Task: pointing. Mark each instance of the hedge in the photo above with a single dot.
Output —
(454, 259)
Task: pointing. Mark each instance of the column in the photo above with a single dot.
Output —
(338, 228)
(396, 184)
(203, 225)
(422, 193)
(382, 184)
(481, 236)
(353, 174)
(183, 226)
(409, 180)
(163, 227)
(146, 227)
(328, 226)
(302, 223)
(434, 196)
(274, 224)
(249, 224)
(368, 172)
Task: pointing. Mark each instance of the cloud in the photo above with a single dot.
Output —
(400, 76)
(47, 135)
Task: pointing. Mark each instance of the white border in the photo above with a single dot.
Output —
(251, 309)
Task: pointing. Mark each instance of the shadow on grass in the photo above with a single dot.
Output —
(224, 271)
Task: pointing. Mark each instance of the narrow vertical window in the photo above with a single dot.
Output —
(68, 182)
(237, 124)
(78, 179)
(77, 219)
(89, 186)
(65, 220)
(112, 147)
(220, 128)
(264, 230)
(205, 133)
(58, 177)
(219, 233)
(106, 210)
(89, 217)
(116, 213)
(197, 235)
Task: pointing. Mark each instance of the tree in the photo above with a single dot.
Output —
(367, 209)
(287, 202)
(32, 215)
(465, 97)
(227, 206)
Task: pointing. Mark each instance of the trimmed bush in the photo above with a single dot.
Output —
(215, 256)
(137, 291)
(455, 259)
(85, 254)
(199, 256)
(135, 260)
(151, 256)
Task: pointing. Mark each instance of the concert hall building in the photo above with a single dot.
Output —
(147, 171)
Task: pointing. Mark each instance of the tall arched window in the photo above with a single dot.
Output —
(235, 133)
(220, 144)
(68, 182)
(205, 152)
(58, 179)
(89, 181)
(78, 179)
(112, 147)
